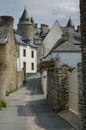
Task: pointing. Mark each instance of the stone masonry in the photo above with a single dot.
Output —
(8, 74)
(57, 91)
(80, 92)
(83, 48)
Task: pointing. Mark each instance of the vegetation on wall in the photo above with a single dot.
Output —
(46, 64)
(11, 90)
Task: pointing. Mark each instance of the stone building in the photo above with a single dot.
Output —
(7, 55)
(27, 28)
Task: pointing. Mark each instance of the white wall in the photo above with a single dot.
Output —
(44, 83)
(73, 91)
(27, 59)
(52, 37)
(69, 58)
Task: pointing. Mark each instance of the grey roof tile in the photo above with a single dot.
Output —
(67, 47)
(24, 41)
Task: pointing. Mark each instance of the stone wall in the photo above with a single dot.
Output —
(73, 91)
(80, 103)
(20, 78)
(57, 91)
(8, 74)
(82, 94)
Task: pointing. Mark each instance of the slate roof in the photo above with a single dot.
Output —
(70, 23)
(25, 18)
(66, 47)
(4, 32)
(24, 41)
(19, 40)
(74, 36)
(72, 44)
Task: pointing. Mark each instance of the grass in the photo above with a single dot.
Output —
(2, 103)
(8, 92)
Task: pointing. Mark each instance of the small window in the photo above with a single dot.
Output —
(32, 66)
(24, 64)
(24, 52)
(32, 54)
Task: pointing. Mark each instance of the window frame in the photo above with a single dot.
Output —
(32, 54)
(24, 52)
(32, 66)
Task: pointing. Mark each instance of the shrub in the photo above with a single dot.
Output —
(2, 103)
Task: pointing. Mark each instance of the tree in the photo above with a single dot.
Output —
(82, 100)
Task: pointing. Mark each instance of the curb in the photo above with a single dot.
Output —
(70, 123)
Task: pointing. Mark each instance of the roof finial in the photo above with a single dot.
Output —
(25, 6)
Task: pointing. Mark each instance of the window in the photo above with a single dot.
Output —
(24, 64)
(32, 66)
(32, 54)
(24, 52)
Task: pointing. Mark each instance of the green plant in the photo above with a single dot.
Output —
(11, 90)
(7, 93)
(2, 103)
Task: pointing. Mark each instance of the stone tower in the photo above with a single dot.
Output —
(25, 26)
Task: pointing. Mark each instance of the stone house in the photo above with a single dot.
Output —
(67, 50)
(8, 75)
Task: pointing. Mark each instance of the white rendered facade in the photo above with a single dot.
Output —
(26, 60)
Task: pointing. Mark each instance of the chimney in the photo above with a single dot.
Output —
(36, 25)
(78, 29)
(44, 27)
(6, 21)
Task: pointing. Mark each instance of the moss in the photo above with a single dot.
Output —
(2, 103)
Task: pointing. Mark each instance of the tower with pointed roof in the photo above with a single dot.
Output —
(70, 23)
(25, 26)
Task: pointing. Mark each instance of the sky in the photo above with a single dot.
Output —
(42, 11)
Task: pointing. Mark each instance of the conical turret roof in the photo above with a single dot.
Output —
(70, 23)
(25, 16)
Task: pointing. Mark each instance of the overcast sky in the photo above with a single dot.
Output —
(43, 11)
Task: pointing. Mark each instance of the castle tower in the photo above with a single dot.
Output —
(70, 23)
(25, 26)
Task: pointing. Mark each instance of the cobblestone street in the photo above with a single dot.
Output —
(27, 110)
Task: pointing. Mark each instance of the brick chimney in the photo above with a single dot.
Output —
(78, 29)
(6, 21)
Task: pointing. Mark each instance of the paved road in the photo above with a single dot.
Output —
(27, 110)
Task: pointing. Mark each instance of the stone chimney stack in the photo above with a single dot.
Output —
(36, 25)
(44, 27)
(6, 21)
(78, 29)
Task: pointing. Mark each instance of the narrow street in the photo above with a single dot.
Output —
(27, 110)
